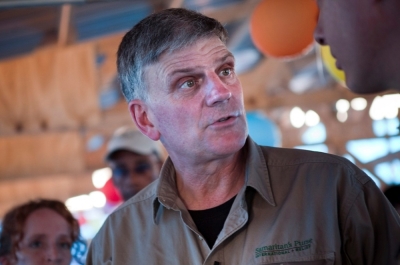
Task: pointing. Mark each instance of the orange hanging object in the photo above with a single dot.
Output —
(284, 28)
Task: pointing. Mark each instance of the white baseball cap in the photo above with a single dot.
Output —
(130, 139)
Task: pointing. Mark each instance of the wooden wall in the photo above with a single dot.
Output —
(49, 112)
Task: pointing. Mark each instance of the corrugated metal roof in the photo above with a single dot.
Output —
(25, 28)
(99, 19)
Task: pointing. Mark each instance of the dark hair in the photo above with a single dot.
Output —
(14, 221)
(159, 33)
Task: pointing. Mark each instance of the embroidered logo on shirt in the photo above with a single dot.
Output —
(282, 249)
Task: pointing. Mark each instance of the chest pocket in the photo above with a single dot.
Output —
(328, 259)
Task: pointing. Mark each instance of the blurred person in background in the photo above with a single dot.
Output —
(40, 232)
(134, 159)
(364, 37)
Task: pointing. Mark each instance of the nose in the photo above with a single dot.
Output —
(135, 180)
(217, 90)
(319, 33)
(52, 255)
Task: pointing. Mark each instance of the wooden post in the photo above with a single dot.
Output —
(63, 28)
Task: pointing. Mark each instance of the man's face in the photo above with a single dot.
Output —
(132, 172)
(350, 28)
(196, 101)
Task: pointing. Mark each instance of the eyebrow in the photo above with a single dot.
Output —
(192, 69)
(41, 236)
(223, 59)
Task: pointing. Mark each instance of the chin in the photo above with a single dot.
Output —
(232, 143)
(364, 86)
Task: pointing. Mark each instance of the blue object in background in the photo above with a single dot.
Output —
(315, 134)
(262, 130)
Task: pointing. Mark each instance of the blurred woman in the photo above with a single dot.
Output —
(40, 232)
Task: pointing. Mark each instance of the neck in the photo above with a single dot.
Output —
(209, 184)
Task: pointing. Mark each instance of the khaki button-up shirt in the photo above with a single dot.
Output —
(296, 207)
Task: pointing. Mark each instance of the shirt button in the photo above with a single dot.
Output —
(200, 238)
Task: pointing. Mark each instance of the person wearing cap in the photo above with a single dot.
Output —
(134, 159)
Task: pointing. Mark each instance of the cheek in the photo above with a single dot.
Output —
(236, 88)
(29, 257)
(329, 20)
(148, 178)
(67, 256)
(239, 93)
(174, 118)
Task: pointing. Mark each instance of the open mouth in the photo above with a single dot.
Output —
(227, 118)
(224, 119)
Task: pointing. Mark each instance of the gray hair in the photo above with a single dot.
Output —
(166, 31)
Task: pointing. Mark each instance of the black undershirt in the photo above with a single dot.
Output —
(210, 222)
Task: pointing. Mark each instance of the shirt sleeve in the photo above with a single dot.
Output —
(96, 254)
(372, 229)
(89, 256)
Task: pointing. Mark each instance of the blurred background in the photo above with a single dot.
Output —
(60, 100)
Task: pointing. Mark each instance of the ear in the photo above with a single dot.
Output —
(140, 114)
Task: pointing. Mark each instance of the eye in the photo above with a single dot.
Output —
(119, 172)
(226, 71)
(142, 168)
(35, 244)
(188, 84)
(65, 245)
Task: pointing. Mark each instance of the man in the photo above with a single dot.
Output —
(134, 159)
(364, 37)
(221, 198)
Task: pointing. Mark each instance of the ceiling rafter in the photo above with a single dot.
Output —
(232, 12)
(64, 25)
(27, 3)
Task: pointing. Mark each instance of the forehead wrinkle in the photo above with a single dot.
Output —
(182, 70)
(224, 58)
(191, 69)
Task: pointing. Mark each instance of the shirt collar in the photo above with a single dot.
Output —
(166, 189)
(257, 177)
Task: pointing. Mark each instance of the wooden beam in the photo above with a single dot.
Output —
(37, 154)
(63, 28)
(29, 3)
(308, 100)
(176, 3)
(232, 12)
(59, 186)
